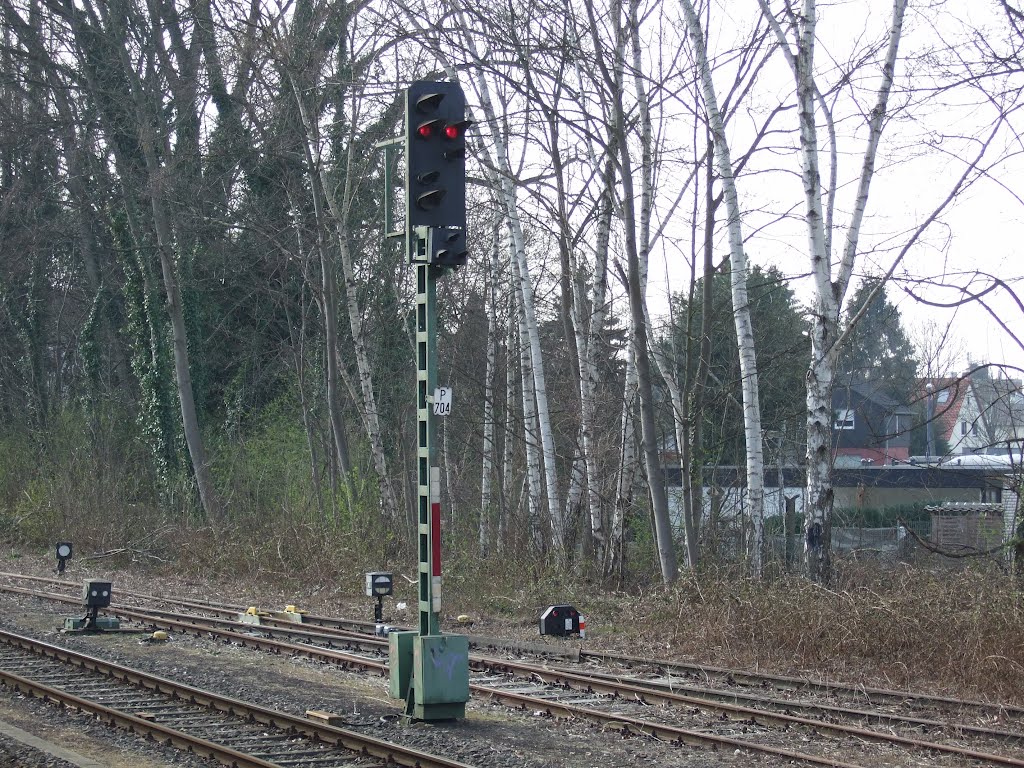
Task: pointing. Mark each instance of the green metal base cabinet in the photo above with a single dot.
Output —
(431, 673)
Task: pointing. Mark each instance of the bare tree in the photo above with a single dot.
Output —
(741, 306)
(829, 287)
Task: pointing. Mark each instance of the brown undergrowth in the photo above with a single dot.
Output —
(898, 626)
(894, 625)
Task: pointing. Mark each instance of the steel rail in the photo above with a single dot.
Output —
(582, 682)
(268, 624)
(651, 728)
(348, 628)
(651, 696)
(559, 677)
(787, 682)
(138, 725)
(739, 676)
(362, 630)
(702, 698)
(350, 740)
(681, 735)
(623, 689)
(198, 628)
(272, 626)
(734, 697)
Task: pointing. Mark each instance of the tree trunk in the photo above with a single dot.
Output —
(530, 425)
(628, 471)
(182, 372)
(329, 309)
(507, 475)
(588, 342)
(693, 467)
(298, 343)
(588, 349)
(828, 293)
(740, 304)
(488, 447)
(636, 290)
(158, 175)
(371, 418)
(507, 193)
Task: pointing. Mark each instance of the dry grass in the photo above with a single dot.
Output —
(957, 632)
(887, 625)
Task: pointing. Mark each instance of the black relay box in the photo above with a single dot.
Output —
(562, 620)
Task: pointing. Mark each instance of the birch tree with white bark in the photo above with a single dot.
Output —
(739, 271)
(339, 203)
(335, 171)
(834, 253)
(830, 282)
(576, 199)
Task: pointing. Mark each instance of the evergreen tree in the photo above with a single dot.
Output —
(878, 350)
(782, 347)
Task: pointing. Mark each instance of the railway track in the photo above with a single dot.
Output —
(659, 704)
(231, 731)
(659, 672)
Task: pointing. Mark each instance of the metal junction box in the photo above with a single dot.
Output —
(400, 663)
(441, 670)
(560, 620)
(100, 623)
(431, 673)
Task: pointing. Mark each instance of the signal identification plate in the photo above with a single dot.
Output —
(443, 401)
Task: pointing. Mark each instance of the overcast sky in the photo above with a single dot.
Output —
(925, 149)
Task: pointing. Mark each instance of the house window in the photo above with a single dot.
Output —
(965, 428)
(844, 418)
(943, 396)
(992, 495)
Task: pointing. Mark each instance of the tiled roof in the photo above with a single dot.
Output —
(872, 392)
(962, 507)
(946, 413)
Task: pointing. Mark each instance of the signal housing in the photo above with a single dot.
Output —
(435, 151)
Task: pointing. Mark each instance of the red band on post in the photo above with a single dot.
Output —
(435, 537)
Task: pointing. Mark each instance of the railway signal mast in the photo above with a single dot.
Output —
(429, 670)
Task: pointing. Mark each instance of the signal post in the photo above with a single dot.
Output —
(429, 670)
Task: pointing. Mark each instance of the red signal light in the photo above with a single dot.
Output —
(430, 128)
(451, 131)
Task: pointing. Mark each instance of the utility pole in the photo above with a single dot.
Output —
(930, 421)
(779, 438)
(429, 670)
(788, 518)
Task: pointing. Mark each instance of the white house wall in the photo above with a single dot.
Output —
(731, 499)
(731, 503)
(876, 498)
(974, 440)
(987, 432)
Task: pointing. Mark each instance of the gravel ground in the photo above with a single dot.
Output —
(80, 734)
(14, 753)
(491, 735)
